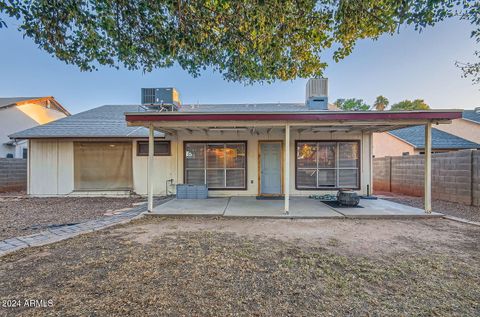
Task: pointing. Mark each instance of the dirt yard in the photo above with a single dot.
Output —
(21, 215)
(259, 267)
(471, 213)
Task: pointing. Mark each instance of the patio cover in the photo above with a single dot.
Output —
(366, 121)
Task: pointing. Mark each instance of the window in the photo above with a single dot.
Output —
(24, 153)
(102, 165)
(160, 148)
(324, 165)
(219, 165)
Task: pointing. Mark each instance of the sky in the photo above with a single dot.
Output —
(408, 65)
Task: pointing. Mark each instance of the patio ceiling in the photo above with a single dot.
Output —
(259, 123)
(262, 130)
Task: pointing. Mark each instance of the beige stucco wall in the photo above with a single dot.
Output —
(17, 118)
(51, 164)
(164, 168)
(385, 144)
(462, 128)
(50, 167)
(252, 157)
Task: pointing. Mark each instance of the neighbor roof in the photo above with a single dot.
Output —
(472, 115)
(11, 101)
(14, 101)
(440, 140)
(104, 121)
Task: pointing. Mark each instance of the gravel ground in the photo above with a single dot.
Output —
(252, 267)
(22, 215)
(471, 213)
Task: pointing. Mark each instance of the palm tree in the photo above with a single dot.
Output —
(380, 103)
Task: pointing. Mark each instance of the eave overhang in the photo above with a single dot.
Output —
(433, 115)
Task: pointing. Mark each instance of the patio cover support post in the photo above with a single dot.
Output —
(428, 168)
(150, 168)
(287, 168)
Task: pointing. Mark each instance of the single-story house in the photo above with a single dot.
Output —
(235, 149)
(466, 127)
(411, 141)
(20, 113)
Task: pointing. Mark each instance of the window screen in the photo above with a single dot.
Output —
(327, 165)
(160, 148)
(102, 166)
(219, 165)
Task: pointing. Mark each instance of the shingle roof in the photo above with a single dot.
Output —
(472, 115)
(109, 120)
(104, 121)
(440, 139)
(5, 102)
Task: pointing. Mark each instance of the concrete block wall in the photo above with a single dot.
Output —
(452, 176)
(407, 175)
(13, 174)
(455, 176)
(476, 178)
(381, 177)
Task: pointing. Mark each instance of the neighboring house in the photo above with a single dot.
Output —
(20, 113)
(411, 141)
(467, 127)
(235, 149)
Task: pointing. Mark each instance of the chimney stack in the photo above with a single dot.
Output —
(316, 97)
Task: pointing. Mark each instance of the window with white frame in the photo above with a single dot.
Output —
(218, 165)
(327, 164)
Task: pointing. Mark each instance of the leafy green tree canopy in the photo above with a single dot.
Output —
(472, 69)
(244, 40)
(351, 104)
(417, 104)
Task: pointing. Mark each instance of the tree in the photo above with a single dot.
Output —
(417, 104)
(381, 103)
(352, 104)
(244, 40)
(472, 69)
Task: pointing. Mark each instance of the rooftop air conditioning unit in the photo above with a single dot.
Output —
(161, 99)
(316, 97)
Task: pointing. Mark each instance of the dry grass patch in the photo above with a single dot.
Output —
(220, 273)
(24, 215)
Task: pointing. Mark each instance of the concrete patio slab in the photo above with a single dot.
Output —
(186, 207)
(299, 208)
(381, 208)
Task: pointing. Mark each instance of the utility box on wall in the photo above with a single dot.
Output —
(186, 191)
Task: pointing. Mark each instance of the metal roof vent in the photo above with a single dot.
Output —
(161, 99)
(316, 97)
